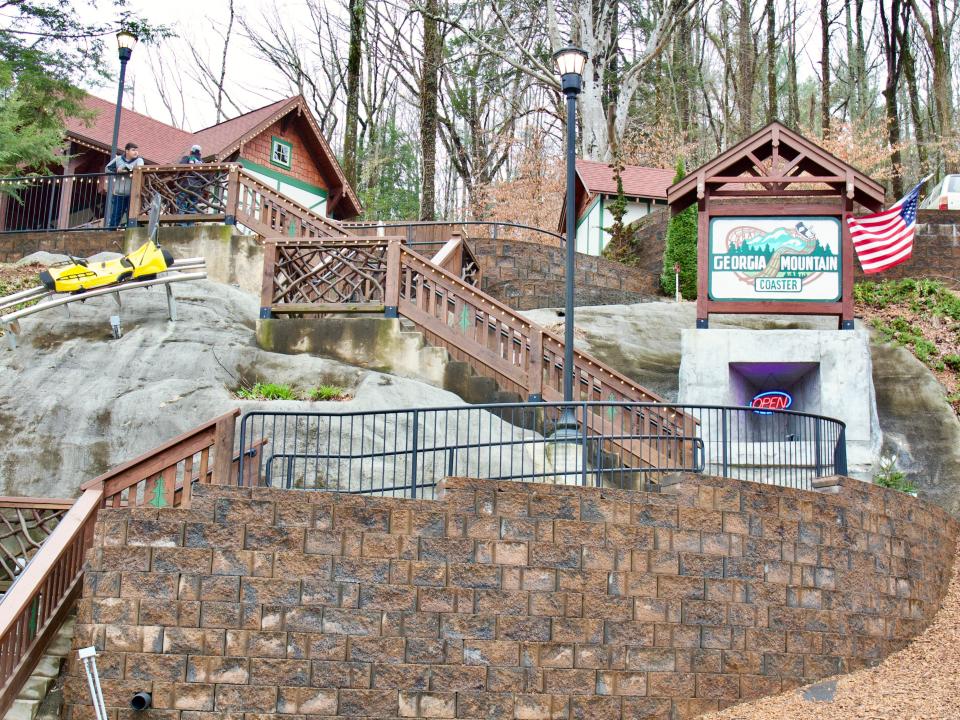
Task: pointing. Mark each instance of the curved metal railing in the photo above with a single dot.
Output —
(413, 238)
(407, 452)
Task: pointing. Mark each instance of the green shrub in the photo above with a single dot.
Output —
(681, 248)
(890, 477)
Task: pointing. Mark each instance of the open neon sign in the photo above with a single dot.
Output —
(764, 403)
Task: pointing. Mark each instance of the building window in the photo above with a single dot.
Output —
(281, 153)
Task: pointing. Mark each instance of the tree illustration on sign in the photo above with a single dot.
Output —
(158, 499)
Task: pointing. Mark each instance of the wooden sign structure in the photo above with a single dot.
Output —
(772, 235)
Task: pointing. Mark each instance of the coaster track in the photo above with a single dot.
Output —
(180, 271)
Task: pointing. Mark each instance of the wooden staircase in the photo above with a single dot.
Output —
(313, 266)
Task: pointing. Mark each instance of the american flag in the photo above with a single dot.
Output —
(885, 239)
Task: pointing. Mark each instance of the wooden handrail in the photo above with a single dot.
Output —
(171, 466)
(36, 604)
(41, 503)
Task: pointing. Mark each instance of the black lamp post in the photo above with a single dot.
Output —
(125, 42)
(570, 62)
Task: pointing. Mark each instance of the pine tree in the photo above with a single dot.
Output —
(681, 248)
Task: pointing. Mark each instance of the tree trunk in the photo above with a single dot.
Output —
(746, 59)
(429, 83)
(825, 67)
(861, 55)
(890, 35)
(793, 91)
(772, 110)
(350, 169)
(913, 92)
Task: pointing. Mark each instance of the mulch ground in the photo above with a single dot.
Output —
(920, 682)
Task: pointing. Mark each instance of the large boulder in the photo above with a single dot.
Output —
(75, 402)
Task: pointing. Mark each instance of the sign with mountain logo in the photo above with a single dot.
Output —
(775, 258)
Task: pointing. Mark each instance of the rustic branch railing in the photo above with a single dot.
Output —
(25, 523)
(224, 192)
(35, 605)
(185, 192)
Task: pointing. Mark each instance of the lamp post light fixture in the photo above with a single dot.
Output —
(125, 42)
(570, 62)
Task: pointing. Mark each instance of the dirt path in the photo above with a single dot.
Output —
(921, 682)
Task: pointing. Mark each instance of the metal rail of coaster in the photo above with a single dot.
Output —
(407, 452)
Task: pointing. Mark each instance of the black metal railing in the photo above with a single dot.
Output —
(621, 445)
(53, 202)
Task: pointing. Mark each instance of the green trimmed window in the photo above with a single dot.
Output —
(281, 153)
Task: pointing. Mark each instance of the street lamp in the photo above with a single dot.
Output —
(125, 42)
(570, 62)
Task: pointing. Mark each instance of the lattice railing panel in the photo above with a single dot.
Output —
(330, 273)
(186, 191)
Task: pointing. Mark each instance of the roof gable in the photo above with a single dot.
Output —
(214, 140)
(776, 157)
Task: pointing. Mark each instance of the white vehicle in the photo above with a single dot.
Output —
(944, 196)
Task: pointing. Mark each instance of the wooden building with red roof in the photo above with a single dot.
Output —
(280, 143)
(596, 190)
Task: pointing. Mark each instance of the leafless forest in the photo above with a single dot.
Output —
(440, 108)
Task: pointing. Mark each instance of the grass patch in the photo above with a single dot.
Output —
(890, 477)
(277, 391)
(922, 316)
(327, 392)
(267, 391)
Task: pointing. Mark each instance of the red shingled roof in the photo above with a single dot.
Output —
(159, 142)
(164, 144)
(638, 181)
(216, 138)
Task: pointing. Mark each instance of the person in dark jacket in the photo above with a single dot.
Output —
(189, 196)
(122, 166)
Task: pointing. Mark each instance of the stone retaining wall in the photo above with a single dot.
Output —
(936, 251)
(82, 243)
(501, 600)
(527, 275)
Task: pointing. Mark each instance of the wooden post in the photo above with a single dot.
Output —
(391, 299)
(66, 197)
(136, 196)
(846, 242)
(535, 366)
(223, 448)
(267, 281)
(703, 261)
(233, 195)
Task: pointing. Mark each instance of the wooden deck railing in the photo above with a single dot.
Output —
(35, 605)
(224, 192)
(164, 476)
